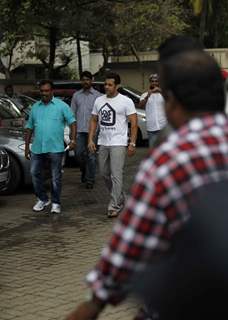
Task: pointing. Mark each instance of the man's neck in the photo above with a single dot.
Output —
(112, 95)
(87, 89)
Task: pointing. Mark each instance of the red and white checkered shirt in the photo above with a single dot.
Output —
(193, 156)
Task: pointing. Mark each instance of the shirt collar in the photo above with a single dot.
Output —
(51, 101)
(90, 91)
(203, 122)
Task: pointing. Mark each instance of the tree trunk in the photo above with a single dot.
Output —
(52, 52)
(5, 70)
(203, 21)
(79, 54)
(105, 55)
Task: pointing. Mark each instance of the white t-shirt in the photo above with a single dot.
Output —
(155, 112)
(112, 118)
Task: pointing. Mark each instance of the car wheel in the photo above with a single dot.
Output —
(15, 176)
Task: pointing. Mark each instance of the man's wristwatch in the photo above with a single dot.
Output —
(132, 144)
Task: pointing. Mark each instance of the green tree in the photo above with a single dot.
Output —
(212, 21)
(13, 32)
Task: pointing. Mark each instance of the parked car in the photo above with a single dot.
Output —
(4, 169)
(10, 115)
(12, 140)
(21, 104)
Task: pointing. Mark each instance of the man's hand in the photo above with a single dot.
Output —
(92, 147)
(27, 153)
(130, 150)
(155, 90)
(86, 311)
(72, 145)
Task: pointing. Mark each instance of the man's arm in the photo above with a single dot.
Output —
(73, 131)
(144, 98)
(143, 101)
(28, 135)
(92, 131)
(134, 129)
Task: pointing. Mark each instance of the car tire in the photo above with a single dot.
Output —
(15, 176)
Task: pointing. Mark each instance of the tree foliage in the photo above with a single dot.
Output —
(114, 26)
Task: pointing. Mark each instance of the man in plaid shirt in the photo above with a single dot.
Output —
(194, 155)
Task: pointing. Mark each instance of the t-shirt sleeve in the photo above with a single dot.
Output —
(130, 107)
(95, 108)
(74, 104)
(68, 114)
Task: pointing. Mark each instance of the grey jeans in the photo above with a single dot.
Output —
(111, 164)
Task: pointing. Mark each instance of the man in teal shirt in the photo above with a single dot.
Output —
(46, 123)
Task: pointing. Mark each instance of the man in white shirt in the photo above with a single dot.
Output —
(153, 103)
(112, 112)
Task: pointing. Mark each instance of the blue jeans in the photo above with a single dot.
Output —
(87, 160)
(152, 137)
(38, 164)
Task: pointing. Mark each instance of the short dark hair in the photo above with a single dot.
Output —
(195, 79)
(86, 74)
(177, 44)
(113, 75)
(46, 81)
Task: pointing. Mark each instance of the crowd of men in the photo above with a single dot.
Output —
(157, 233)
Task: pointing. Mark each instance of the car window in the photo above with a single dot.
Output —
(25, 102)
(129, 94)
(7, 111)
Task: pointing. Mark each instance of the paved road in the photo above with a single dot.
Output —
(44, 258)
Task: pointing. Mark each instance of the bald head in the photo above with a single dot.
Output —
(195, 80)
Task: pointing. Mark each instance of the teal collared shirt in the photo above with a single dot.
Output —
(48, 122)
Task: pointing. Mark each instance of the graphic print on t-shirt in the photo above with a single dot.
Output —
(108, 115)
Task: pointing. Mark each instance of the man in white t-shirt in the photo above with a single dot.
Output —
(112, 112)
(153, 103)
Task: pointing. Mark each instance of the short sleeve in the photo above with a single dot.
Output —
(74, 103)
(68, 114)
(130, 107)
(95, 108)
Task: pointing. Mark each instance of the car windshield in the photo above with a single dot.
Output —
(7, 111)
(24, 103)
(137, 92)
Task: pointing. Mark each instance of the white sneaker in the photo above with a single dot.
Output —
(40, 205)
(55, 208)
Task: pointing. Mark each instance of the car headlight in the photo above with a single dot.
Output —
(22, 146)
